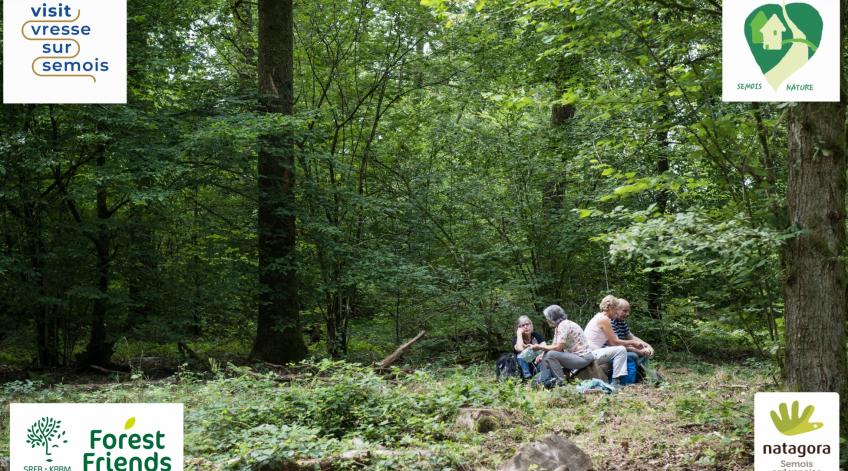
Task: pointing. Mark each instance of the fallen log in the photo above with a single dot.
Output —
(594, 370)
(361, 456)
(358, 457)
(273, 375)
(107, 371)
(187, 352)
(387, 362)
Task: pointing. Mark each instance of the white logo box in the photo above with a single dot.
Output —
(39, 34)
(156, 433)
(739, 66)
(826, 412)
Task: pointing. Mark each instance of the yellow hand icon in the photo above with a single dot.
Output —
(794, 425)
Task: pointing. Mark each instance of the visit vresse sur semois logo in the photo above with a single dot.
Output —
(96, 437)
(796, 431)
(64, 51)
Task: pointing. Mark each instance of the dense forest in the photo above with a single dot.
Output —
(320, 181)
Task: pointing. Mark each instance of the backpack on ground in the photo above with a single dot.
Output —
(507, 367)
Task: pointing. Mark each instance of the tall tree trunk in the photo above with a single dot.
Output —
(245, 29)
(142, 275)
(47, 339)
(336, 325)
(338, 302)
(816, 280)
(278, 336)
(551, 263)
(99, 351)
(655, 279)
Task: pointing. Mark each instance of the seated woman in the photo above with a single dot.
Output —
(599, 332)
(569, 349)
(524, 338)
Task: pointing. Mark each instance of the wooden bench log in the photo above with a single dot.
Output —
(595, 369)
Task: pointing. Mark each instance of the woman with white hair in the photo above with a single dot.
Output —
(569, 349)
(569, 338)
(524, 339)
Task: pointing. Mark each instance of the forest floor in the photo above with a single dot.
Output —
(330, 412)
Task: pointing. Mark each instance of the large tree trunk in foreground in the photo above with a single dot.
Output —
(278, 337)
(815, 280)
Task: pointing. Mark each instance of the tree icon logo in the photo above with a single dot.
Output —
(793, 424)
(46, 432)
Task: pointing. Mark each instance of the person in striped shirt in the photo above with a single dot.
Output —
(643, 350)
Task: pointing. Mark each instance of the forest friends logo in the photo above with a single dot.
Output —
(787, 437)
(98, 437)
(70, 51)
(791, 52)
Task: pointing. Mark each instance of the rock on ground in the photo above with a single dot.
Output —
(551, 453)
(481, 419)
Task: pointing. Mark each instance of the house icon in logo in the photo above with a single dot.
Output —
(772, 33)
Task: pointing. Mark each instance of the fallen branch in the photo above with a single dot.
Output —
(187, 352)
(106, 370)
(245, 370)
(400, 350)
(361, 456)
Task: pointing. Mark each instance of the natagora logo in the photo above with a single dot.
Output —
(796, 431)
(96, 437)
(68, 51)
(780, 51)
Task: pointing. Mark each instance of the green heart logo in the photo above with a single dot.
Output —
(783, 38)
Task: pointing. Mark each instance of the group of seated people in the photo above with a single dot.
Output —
(607, 338)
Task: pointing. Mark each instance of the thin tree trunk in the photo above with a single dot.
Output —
(142, 277)
(551, 262)
(655, 278)
(815, 286)
(99, 351)
(278, 336)
(45, 315)
(338, 313)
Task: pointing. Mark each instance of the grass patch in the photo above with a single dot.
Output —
(700, 419)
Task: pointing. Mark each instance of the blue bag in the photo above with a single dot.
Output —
(630, 378)
(631, 372)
